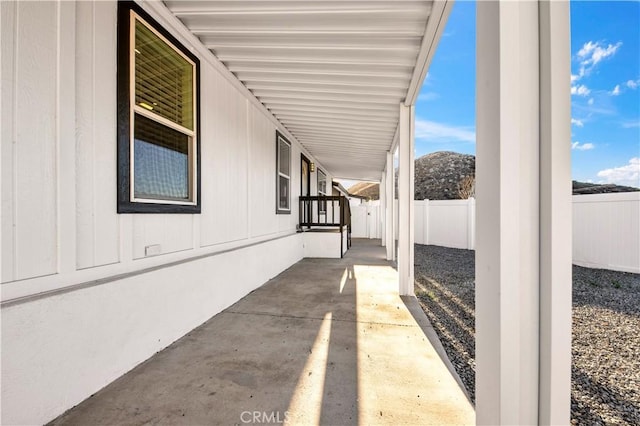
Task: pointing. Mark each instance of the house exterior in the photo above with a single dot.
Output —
(141, 195)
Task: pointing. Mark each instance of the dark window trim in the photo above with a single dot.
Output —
(303, 158)
(322, 205)
(125, 205)
(278, 137)
(318, 181)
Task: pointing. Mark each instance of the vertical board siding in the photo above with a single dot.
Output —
(30, 162)
(224, 161)
(237, 152)
(97, 233)
(172, 232)
(107, 221)
(8, 44)
(262, 169)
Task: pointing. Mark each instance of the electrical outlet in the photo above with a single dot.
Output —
(153, 250)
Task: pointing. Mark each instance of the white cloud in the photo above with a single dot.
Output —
(580, 90)
(590, 101)
(615, 91)
(582, 147)
(430, 131)
(633, 84)
(631, 124)
(577, 122)
(624, 175)
(429, 96)
(591, 54)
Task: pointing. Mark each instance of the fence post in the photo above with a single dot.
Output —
(425, 222)
(471, 223)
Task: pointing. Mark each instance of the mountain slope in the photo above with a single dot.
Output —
(445, 175)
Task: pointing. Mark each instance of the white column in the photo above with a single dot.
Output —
(405, 198)
(523, 232)
(383, 208)
(555, 213)
(389, 219)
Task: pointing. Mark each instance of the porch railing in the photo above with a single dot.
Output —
(326, 211)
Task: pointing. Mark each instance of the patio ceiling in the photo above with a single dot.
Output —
(332, 72)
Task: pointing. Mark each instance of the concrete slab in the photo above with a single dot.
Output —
(328, 341)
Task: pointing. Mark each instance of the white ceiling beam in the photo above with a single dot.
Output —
(435, 27)
(354, 88)
(364, 69)
(383, 96)
(322, 130)
(330, 105)
(324, 89)
(389, 82)
(311, 56)
(182, 7)
(304, 23)
(310, 40)
(338, 126)
(345, 127)
(373, 149)
(336, 120)
(267, 95)
(340, 119)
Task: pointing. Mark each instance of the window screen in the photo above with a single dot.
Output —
(164, 79)
(283, 179)
(161, 161)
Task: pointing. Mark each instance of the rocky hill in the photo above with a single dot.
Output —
(580, 188)
(441, 175)
(438, 176)
(446, 175)
(367, 190)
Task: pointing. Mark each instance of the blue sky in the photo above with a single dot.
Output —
(605, 65)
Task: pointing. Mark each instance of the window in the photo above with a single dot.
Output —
(283, 176)
(322, 190)
(158, 118)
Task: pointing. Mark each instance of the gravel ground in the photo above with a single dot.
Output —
(606, 331)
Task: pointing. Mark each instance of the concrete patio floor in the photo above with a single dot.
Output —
(328, 341)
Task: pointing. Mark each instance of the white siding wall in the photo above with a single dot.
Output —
(59, 221)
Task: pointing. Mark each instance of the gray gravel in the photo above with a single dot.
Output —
(606, 331)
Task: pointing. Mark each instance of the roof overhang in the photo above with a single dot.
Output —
(333, 73)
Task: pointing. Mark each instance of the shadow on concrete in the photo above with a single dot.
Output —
(421, 319)
(328, 341)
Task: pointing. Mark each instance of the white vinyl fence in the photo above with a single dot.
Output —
(606, 231)
(606, 227)
(447, 223)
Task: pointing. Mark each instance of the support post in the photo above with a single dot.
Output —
(555, 213)
(523, 241)
(389, 216)
(405, 200)
(383, 208)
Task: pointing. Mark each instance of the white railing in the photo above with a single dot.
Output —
(606, 227)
